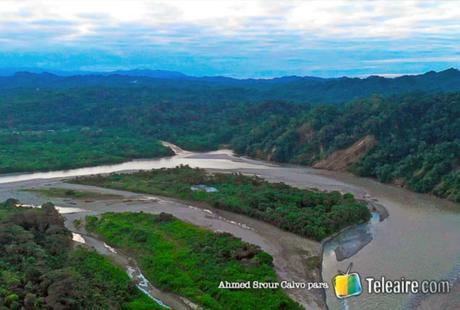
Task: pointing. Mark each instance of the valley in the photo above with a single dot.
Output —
(404, 226)
(229, 155)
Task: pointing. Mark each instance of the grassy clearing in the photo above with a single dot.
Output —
(191, 261)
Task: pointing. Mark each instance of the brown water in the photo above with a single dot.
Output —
(217, 160)
(419, 240)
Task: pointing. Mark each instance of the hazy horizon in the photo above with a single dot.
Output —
(242, 39)
(11, 71)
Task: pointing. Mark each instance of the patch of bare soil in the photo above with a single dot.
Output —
(342, 159)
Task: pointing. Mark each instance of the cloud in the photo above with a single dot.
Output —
(228, 35)
(348, 19)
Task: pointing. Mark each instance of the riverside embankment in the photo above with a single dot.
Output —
(419, 240)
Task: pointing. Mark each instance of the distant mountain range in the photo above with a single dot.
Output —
(290, 88)
(158, 74)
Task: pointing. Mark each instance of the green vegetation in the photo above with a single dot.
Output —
(191, 261)
(418, 140)
(97, 120)
(449, 186)
(221, 89)
(111, 125)
(309, 213)
(77, 223)
(41, 150)
(112, 287)
(39, 269)
(70, 193)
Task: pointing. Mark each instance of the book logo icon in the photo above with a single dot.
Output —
(347, 284)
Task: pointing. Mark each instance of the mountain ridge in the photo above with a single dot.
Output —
(305, 90)
(171, 74)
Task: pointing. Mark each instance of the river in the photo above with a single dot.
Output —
(419, 240)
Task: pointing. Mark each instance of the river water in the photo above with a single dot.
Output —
(419, 240)
(214, 160)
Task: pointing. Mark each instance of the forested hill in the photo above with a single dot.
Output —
(175, 86)
(413, 139)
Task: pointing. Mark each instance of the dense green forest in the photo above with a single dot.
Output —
(51, 122)
(40, 268)
(305, 212)
(72, 148)
(191, 261)
(98, 126)
(194, 123)
(175, 87)
(418, 139)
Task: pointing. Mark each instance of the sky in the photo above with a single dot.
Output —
(251, 38)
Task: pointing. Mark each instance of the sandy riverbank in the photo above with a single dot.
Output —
(290, 252)
(420, 226)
